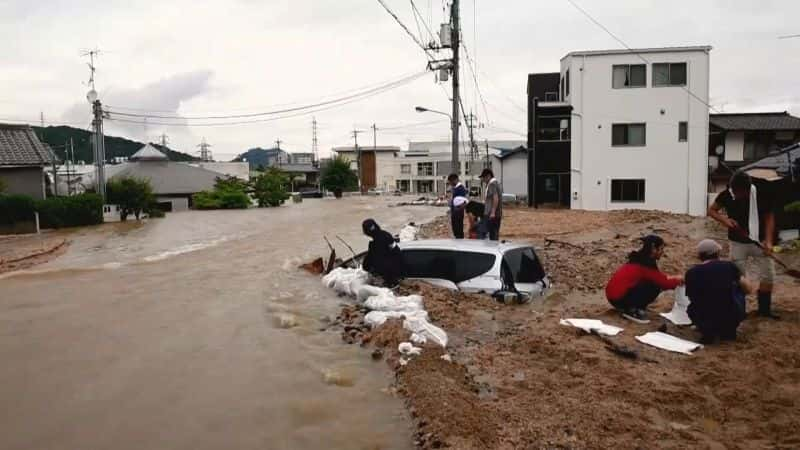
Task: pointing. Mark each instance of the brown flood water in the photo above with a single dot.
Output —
(194, 332)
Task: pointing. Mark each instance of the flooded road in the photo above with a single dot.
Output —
(195, 332)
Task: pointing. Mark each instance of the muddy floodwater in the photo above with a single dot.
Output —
(195, 332)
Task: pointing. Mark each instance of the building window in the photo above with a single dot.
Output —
(405, 169)
(629, 191)
(553, 129)
(551, 96)
(567, 80)
(683, 131)
(669, 74)
(629, 76)
(425, 169)
(629, 134)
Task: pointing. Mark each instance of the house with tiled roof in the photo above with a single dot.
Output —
(737, 140)
(22, 161)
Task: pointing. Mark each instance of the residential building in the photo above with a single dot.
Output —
(739, 139)
(638, 128)
(782, 169)
(22, 161)
(173, 183)
(377, 163)
(510, 167)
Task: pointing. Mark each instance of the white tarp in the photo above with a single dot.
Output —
(669, 342)
(678, 315)
(408, 233)
(588, 325)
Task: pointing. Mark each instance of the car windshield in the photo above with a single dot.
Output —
(524, 265)
(452, 265)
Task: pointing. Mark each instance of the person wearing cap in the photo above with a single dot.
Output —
(639, 282)
(458, 199)
(749, 206)
(383, 257)
(493, 203)
(717, 291)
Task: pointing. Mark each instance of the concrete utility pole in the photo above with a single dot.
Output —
(99, 148)
(164, 139)
(374, 137)
(70, 166)
(456, 43)
(314, 142)
(473, 147)
(278, 157)
(358, 155)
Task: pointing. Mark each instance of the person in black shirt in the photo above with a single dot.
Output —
(717, 292)
(383, 256)
(745, 225)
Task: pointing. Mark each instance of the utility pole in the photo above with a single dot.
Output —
(456, 43)
(473, 147)
(41, 118)
(358, 156)
(374, 137)
(70, 166)
(279, 156)
(164, 140)
(314, 142)
(97, 123)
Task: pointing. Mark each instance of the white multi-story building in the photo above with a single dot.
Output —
(639, 128)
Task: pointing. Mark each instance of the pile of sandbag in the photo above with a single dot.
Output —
(385, 304)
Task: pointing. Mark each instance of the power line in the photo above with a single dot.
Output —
(475, 79)
(271, 119)
(789, 36)
(416, 13)
(391, 84)
(589, 16)
(405, 28)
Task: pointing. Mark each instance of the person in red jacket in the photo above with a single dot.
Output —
(638, 282)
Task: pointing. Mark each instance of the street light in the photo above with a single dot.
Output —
(420, 109)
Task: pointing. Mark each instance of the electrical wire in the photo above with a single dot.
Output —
(271, 119)
(417, 14)
(282, 111)
(405, 28)
(475, 80)
(621, 42)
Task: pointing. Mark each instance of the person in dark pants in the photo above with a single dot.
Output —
(638, 283)
(717, 291)
(749, 205)
(458, 199)
(494, 203)
(383, 257)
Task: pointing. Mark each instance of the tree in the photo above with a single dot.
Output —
(133, 195)
(269, 189)
(228, 193)
(337, 176)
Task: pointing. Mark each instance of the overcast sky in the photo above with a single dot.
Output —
(221, 57)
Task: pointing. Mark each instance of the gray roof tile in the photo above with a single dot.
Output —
(756, 121)
(19, 146)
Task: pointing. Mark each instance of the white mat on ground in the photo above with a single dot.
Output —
(588, 325)
(678, 315)
(669, 342)
(408, 233)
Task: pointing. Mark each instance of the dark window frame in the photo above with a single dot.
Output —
(559, 130)
(683, 131)
(551, 96)
(669, 82)
(567, 80)
(628, 76)
(641, 190)
(627, 134)
(425, 164)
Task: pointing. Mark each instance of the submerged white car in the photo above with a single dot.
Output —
(491, 267)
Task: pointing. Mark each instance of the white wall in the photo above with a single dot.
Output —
(384, 166)
(512, 172)
(675, 172)
(734, 146)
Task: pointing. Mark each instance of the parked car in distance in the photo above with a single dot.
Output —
(489, 267)
(375, 191)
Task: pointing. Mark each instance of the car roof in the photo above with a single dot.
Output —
(473, 245)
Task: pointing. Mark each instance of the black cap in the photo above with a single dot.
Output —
(652, 240)
(487, 173)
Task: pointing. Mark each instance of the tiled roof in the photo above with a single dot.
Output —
(167, 177)
(19, 146)
(756, 121)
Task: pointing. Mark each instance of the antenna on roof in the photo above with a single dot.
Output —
(91, 54)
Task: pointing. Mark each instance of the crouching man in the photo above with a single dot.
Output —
(383, 258)
(717, 291)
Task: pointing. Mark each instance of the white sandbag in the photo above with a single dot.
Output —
(377, 318)
(346, 281)
(408, 303)
(418, 339)
(679, 314)
(406, 348)
(422, 327)
(588, 325)
(408, 233)
(366, 291)
(669, 342)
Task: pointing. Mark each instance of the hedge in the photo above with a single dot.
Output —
(75, 211)
(16, 208)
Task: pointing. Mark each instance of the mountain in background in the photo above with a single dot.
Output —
(262, 157)
(57, 136)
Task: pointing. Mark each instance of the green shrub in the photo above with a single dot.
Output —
(206, 200)
(75, 211)
(337, 176)
(270, 188)
(792, 208)
(133, 195)
(228, 193)
(16, 208)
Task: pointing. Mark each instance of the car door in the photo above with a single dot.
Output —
(526, 270)
(477, 272)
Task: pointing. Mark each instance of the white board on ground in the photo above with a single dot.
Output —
(588, 325)
(669, 342)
